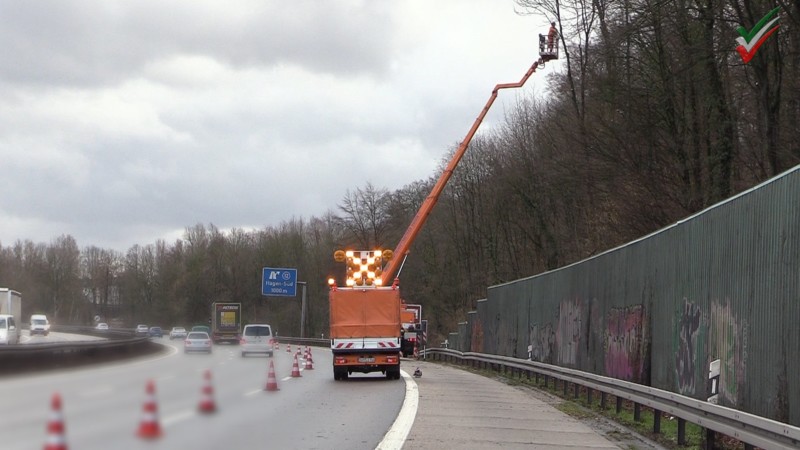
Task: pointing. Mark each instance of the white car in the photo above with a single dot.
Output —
(102, 326)
(177, 333)
(197, 341)
(142, 330)
(257, 338)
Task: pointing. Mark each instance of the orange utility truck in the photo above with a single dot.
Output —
(365, 318)
(365, 313)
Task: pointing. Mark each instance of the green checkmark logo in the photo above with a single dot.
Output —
(750, 41)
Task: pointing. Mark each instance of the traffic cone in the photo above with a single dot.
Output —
(295, 368)
(207, 404)
(55, 426)
(309, 363)
(272, 383)
(288, 348)
(149, 427)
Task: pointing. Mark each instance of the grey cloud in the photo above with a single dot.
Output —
(84, 43)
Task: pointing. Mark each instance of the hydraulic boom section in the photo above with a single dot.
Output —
(390, 271)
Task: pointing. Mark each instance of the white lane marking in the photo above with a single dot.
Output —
(397, 434)
(183, 415)
(252, 393)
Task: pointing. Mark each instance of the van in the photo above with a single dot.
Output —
(256, 338)
(40, 325)
(9, 331)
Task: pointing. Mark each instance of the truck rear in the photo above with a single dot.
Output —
(226, 322)
(365, 321)
(411, 316)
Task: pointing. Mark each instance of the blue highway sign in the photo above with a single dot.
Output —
(280, 282)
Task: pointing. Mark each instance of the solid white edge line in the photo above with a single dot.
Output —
(397, 434)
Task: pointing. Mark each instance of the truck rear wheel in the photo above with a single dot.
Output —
(393, 374)
(339, 374)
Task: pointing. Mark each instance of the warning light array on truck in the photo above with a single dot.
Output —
(364, 267)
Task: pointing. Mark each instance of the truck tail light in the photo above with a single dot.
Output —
(391, 359)
(339, 360)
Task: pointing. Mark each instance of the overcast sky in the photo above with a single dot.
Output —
(125, 122)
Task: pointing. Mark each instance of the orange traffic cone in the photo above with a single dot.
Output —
(295, 368)
(207, 404)
(272, 383)
(149, 427)
(55, 426)
(288, 348)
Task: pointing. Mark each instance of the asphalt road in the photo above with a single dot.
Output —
(103, 407)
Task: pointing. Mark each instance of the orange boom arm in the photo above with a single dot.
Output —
(427, 205)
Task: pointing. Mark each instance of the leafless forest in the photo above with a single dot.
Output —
(652, 117)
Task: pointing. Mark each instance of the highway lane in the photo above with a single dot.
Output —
(54, 337)
(103, 405)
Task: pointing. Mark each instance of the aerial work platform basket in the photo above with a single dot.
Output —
(547, 50)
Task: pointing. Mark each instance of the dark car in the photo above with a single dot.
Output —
(155, 332)
(202, 329)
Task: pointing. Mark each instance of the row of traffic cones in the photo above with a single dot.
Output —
(149, 426)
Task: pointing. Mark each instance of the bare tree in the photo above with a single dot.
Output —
(366, 215)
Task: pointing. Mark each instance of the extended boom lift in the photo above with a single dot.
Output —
(366, 313)
(401, 251)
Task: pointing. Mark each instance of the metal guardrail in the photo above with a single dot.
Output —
(747, 428)
(34, 356)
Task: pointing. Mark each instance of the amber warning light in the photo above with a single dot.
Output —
(364, 267)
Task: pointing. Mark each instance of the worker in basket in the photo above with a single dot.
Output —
(552, 34)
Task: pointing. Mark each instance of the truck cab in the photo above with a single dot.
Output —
(9, 330)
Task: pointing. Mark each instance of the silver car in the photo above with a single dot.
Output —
(257, 338)
(197, 341)
(177, 333)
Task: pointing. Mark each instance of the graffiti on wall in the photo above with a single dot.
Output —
(727, 343)
(541, 339)
(625, 346)
(687, 341)
(568, 333)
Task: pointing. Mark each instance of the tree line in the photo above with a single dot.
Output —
(650, 118)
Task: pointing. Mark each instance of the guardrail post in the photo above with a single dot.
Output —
(656, 421)
(603, 396)
(681, 431)
(529, 374)
(589, 396)
(637, 412)
(619, 404)
(577, 389)
(565, 387)
(710, 439)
